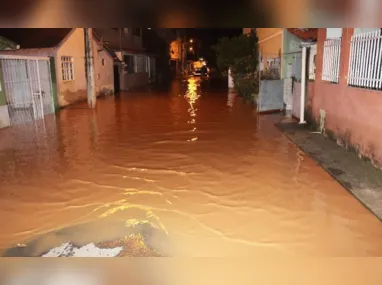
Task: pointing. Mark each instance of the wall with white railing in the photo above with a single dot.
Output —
(365, 60)
(354, 62)
(331, 60)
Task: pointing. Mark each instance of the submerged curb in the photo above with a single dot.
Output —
(358, 177)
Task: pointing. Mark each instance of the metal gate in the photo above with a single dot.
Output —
(27, 85)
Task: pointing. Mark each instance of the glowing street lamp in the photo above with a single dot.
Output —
(191, 49)
(191, 40)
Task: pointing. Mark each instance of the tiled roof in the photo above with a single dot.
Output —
(306, 34)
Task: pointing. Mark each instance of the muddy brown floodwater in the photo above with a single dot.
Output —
(193, 171)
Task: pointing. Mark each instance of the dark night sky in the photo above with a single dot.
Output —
(208, 38)
(212, 35)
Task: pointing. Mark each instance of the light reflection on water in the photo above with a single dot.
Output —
(241, 189)
(192, 95)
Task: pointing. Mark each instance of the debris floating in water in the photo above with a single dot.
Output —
(130, 246)
(89, 250)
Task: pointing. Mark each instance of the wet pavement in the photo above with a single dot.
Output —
(358, 176)
(188, 171)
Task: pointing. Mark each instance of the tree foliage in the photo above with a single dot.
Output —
(240, 54)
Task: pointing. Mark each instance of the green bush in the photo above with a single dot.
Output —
(246, 85)
(240, 54)
(270, 74)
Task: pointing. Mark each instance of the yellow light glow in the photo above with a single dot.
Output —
(191, 48)
(191, 97)
(191, 40)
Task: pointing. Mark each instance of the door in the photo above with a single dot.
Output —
(116, 79)
(28, 88)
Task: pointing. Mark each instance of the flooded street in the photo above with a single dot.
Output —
(187, 171)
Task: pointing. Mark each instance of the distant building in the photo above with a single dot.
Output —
(137, 51)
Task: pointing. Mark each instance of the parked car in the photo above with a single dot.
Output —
(203, 71)
(197, 72)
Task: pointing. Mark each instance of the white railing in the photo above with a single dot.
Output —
(365, 61)
(331, 62)
(27, 86)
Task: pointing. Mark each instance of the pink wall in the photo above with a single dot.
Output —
(70, 92)
(73, 91)
(353, 114)
(104, 74)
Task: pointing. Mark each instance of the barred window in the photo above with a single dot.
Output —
(141, 63)
(129, 63)
(67, 66)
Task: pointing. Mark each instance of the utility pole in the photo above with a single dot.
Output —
(120, 41)
(183, 54)
(91, 95)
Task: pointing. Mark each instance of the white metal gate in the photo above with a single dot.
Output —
(28, 89)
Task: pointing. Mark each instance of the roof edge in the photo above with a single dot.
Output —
(66, 38)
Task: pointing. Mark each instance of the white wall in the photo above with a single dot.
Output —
(137, 79)
(333, 33)
(364, 30)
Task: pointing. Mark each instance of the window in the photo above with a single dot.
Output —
(273, 63)
(98, 76)
(358, 31)
(103, 62)
(67, 67)
(129, 63)
(365, 60)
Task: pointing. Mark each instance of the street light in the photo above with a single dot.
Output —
(191, 49)
(191, 40)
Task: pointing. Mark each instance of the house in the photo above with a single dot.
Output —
(280, 49)
(134, 66)
(66, 48)
(345, 99)
(6, 44)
